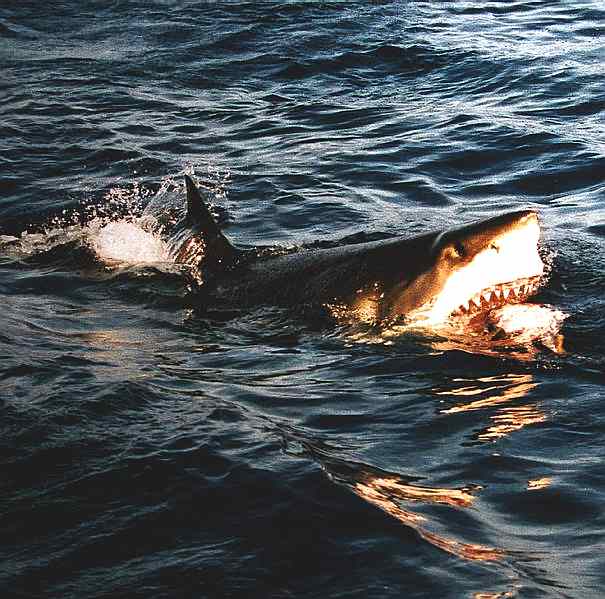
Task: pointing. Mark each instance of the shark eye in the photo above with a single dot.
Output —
(459, 249)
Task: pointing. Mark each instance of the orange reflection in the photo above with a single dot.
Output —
(373, 491)
(497, 391)
(365, 491)
(110, 339)
(500, 389)
(112, 349)
(394, 495)
(511, 419)
(394, 486)
(484, 344)
(539, 483)
(470, 551)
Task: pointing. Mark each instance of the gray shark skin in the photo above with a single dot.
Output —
(378, 281)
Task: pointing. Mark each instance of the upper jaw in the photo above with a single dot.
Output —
(499, 295)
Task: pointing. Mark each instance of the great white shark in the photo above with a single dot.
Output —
(429, 278)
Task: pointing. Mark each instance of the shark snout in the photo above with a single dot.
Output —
(525, 217)
(509, 221)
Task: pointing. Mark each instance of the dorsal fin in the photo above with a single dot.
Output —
(197, 211)
(220, 248)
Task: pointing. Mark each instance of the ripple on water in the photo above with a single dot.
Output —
(149, 449)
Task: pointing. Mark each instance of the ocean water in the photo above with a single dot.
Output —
(149, 450)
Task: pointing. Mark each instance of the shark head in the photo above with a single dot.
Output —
(471, 269)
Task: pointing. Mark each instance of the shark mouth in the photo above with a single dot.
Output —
(499, 295)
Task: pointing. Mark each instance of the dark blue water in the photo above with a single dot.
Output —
(148, 451)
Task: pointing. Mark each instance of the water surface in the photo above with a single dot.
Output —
(148, 451)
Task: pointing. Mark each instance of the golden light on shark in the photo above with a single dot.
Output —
(429, 278)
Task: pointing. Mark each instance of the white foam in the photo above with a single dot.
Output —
(533, 318)
(126, 241)
(526, 323)
(7, 239)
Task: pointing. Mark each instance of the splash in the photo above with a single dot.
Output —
(131, 225)
(530, 323)
(127, 241)
(31, 244)
(119, 202)
(167, 204)
(533, 319)
(518, 331)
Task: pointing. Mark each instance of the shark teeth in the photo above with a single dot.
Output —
(497, 296)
